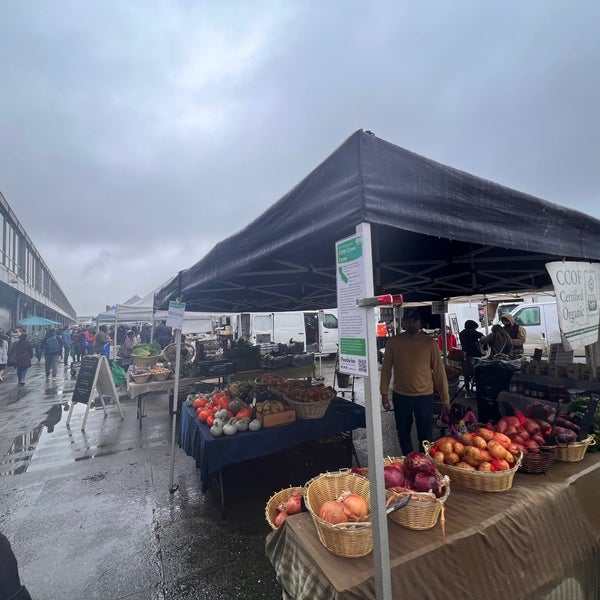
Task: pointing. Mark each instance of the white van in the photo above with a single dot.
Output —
(291, 326)
(540, 320)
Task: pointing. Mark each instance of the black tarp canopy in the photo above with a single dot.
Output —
(437, 233)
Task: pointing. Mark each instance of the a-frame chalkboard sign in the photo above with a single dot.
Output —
(94, 375)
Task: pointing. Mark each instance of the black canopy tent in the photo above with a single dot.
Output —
(437, 233)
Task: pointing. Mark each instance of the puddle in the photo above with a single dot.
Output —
(16, 461)
(27, 446)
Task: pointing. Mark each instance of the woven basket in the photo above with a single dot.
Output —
(309, 410)
(423, 509)
(276, 499)
(482, 481)
(141, 378)
(538, 463)
(143, 362)
(574, 452)
(162, 376)
(347, 542)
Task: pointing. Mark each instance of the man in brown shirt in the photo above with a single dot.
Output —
(413, 358)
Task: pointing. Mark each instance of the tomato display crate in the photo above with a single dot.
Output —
(345, 540)
(574, 452)
(423, 509)
(276, 499)
(284, 417)
(482, 481)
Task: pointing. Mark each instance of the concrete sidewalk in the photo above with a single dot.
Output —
(90, 514)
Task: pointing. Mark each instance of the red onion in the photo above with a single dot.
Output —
(417, 462)
(393, 476)
(425, 482)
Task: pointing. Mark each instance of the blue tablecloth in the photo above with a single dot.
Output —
(213, 453)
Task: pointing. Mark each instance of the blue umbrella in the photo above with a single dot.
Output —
(37, 321)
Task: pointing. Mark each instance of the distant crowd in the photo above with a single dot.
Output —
(18, 348)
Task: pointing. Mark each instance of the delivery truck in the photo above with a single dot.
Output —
(315, 330)
(540, 320)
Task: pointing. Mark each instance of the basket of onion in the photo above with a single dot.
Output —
(281, 505)
(416, 475)
(339, 503)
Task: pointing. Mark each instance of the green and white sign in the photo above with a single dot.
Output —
(350, 275)
(175, 314)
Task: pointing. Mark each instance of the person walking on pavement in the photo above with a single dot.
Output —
(3, 355)
(414, 360)
(76, 337)
(67, 343)
(52, 346)
(23, 356)
(101, 339)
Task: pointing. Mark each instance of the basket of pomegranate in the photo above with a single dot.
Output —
(339, 503)
(416, 475)
(483, 460)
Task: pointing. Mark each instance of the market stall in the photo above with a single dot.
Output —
(214, 453)
(434, 233)
(539, 536)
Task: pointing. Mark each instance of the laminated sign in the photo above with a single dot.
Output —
(576, 287)
(352, 318)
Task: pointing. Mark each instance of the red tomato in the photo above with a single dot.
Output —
(210, 420)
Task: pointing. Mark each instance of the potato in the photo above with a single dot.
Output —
(459, 448)
(479, 442)
(465, 465)
(451, 458)
(486, 456)
(502, 465)
(439, 456)
(486, 434)
(502, 439)
(467, 439)
(498, 451)
(485, 466)
(472, 456)
(446, 447)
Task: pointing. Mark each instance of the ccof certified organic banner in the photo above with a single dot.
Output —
(576, 287)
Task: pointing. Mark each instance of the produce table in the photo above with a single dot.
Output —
(139, 391)
(542, 534)
(214, 453)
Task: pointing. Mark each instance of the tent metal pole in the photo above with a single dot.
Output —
(381, 550)
(173, 488)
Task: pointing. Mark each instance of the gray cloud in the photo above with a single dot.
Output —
(137, 135)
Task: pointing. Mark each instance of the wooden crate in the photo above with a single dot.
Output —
(285, 417)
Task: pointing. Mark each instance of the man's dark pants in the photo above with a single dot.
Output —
(407, 409)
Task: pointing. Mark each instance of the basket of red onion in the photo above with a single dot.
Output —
(339, 503)
(281, 505)
(416, 474)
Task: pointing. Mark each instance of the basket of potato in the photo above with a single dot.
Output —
(483, 460)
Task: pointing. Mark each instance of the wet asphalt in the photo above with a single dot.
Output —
(91, 515)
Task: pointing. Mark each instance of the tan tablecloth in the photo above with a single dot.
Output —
(518, 544)
(136, 389)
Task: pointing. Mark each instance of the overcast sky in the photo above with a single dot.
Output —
(135, 135)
